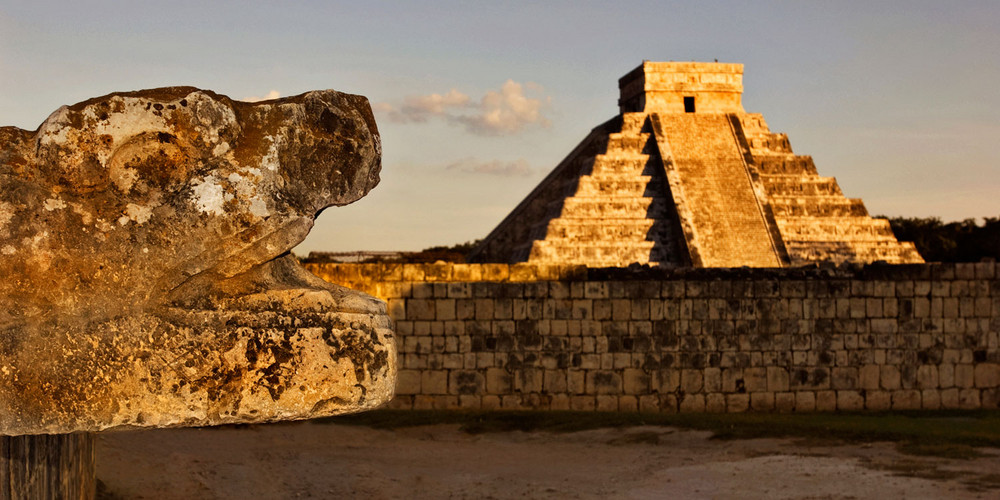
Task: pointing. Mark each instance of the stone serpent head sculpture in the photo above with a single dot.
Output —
(146, 279)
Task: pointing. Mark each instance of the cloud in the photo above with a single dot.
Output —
(505, 112)
(499, 112)
(418, 109)
(516, 168)
(273, 94)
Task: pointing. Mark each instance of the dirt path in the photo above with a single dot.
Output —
(319, 460)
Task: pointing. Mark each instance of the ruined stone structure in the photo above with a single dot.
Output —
(685, 177)
(559, 337)
(147, 280)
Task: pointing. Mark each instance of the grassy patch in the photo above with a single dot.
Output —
(952, 434)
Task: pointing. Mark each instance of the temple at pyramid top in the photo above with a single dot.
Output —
(682, 87)
(683, 176)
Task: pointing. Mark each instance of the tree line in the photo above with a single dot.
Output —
(960, 241)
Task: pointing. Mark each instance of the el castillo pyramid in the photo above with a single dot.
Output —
(683, 176)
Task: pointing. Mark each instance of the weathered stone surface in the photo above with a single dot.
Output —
(144, 241)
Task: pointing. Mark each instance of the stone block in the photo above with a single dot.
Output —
(434, 382)
(665, 380)
(987, 375)
(607, 403)
(844, 378)
(968, 399)
(669, 403)
(732, 380)
(621, 309)
(927, 377)
(692, 381)
(559, 402)
(498, 381)
(469, 402)
(737, 403)
(511, 402)
(423, 402)
(554, 382)
(715, 403)
(906, 400)
(692, 403)
(762, 401)
(965, 376)
(490, 402)
(635, 381)
(576, 381)
(777, 379)
(420, 309)
(868, 377)
(755, 379)
(408, 382)
(930, 399)
(890, 378)
(582, 309)
(805, 401)
(484, 309)
(628, 404)
(878, 400)
(421, 290)
(991, 398)
(784, 402)
(712, 380)
(946, 375)
(873, 307)
(826, 400)
(447, 361)
(649, 403)
(850, 401)
(949, 398)
(603, 382)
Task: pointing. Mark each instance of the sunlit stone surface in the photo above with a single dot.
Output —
(144, 242)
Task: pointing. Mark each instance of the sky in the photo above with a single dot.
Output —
(477, 101)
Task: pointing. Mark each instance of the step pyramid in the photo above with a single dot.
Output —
(683, 176)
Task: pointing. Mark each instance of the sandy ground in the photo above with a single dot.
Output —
(322, 460)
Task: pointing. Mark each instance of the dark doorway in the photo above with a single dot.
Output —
(689, 104)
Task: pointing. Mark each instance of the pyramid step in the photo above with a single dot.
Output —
(637, 143)
(853, 229)
(632, 186)
(617, 207)
(800, 185)
(785, 165)
(621, 162)
(632, 123)
(769, 143)
(595, 255)
(817, 206)
(889, 251)
(605, 229)
(754, 124)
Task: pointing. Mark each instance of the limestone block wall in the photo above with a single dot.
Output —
(721, 340)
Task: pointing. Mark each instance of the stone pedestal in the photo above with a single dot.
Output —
(48, 466)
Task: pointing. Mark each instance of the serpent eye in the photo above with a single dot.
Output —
(149, 160)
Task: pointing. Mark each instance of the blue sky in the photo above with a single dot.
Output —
(897, 99)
